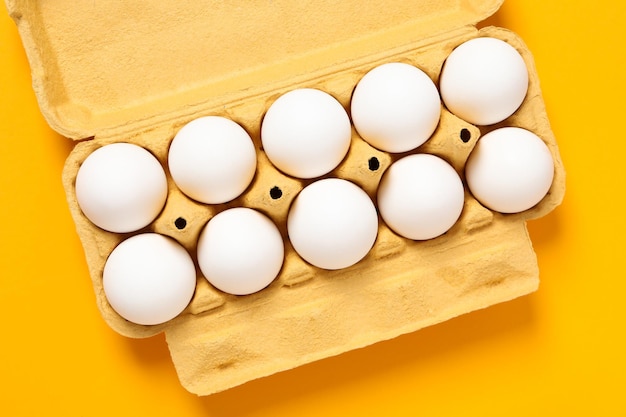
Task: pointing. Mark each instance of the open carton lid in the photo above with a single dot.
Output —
(109, 68)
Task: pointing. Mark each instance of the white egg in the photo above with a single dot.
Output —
(510, 170)
(484, 81)
(121, 187)
(306, 133)
(149, 279)
(212, 159)
(332, 224)
(395, 107)
(240, 251)
(420, 196)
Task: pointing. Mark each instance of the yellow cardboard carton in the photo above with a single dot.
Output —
(136, 72)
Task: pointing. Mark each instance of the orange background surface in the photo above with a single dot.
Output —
(560, 350)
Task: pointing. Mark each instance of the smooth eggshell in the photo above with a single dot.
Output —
(212, 159)
(395, 107)
(332, 224)
(121, 187)
(420, 196)
(240, 251)
(510, 170)
(306, 133)
(149, 279)
(484, 81)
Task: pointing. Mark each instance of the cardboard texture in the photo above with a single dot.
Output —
(137, 72)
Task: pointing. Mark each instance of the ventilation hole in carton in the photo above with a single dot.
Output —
(276, 193)
(180, 223)
(465, 135)
(373, 163)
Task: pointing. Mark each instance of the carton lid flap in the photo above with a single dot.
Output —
(107, 67)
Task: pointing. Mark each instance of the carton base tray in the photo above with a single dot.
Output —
(225, 347)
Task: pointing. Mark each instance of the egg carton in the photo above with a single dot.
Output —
(307, 313)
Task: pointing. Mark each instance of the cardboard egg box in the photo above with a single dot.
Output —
(136, 72)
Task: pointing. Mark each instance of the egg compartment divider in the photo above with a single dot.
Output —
(128, 72)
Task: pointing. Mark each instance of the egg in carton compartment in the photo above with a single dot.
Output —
(137, 73)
